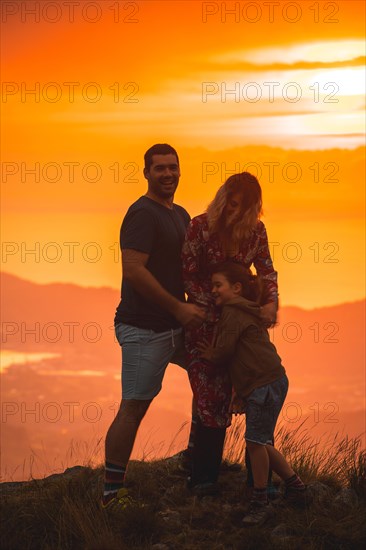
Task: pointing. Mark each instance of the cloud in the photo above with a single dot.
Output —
(269, 96)
(253, 67)
(315, 52)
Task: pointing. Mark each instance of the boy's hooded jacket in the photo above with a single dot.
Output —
(243, 344)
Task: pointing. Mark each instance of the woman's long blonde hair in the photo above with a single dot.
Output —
(248, 187)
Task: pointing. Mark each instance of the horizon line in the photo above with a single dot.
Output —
(117, 289)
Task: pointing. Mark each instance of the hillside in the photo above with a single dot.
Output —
(62, 512)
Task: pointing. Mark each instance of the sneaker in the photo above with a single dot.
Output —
(296, 497)
(121, 501)
(257, 514)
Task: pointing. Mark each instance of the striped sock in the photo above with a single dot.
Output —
(260, 496)
(113, 480)
(294, 483)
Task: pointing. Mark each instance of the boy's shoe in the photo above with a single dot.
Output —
(257, 513)
(121, 501)
(296, 497)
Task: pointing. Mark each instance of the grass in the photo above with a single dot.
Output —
(63, 512)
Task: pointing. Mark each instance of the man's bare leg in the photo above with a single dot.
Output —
(119, 444)
(122, 432)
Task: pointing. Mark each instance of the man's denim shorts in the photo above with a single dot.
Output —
(264, 405)
(145, 356)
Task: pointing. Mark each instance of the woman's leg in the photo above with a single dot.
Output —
(211, 388)
(207, 454)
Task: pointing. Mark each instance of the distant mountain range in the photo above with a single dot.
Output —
(322, 351)
(57, 317)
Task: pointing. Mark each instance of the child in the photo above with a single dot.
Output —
(258, 378)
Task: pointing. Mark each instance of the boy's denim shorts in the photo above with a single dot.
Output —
(263, 406)
(145, 356)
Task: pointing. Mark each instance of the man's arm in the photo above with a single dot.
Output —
(135, 271)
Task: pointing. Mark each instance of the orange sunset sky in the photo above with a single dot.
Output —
(275, 88)
(146, 72)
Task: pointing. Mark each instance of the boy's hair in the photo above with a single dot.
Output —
(251, 285)
(158, 149)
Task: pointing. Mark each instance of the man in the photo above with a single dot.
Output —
(152, 310)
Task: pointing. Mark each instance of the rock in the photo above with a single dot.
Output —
(319, 492)
(67, 474)
(160, 546)
(24, 486)
(346, 497)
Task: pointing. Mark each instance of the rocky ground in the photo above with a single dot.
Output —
(63, 512)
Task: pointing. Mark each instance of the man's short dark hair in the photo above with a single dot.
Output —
(158, 149)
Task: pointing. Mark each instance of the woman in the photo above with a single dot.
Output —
(230, 230)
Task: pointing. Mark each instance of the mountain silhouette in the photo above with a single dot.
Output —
(61, 407)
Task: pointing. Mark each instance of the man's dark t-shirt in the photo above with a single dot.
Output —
(156, 230)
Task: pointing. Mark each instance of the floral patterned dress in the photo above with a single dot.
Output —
(211, 384)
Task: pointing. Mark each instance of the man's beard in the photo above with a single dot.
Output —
(164, 192)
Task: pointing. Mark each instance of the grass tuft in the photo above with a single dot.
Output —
(63, 512)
